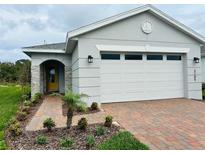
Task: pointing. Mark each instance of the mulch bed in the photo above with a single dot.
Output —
(26, 141)
(65, 109)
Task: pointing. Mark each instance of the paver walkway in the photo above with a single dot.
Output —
(164, 124)
(52, 107)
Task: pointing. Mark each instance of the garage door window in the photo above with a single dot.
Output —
(154, 57)
(133, 57)
(110, 56)
(173, 57)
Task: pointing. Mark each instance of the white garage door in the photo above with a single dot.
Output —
(132, 77)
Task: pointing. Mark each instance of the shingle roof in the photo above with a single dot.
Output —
(57, 46)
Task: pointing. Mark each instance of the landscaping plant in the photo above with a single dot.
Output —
(35, 98)
(82, 124)
(72, 100)
(66, 143)
(25, 109)
(24, 97)
(41, 139)
(108, 121)
(90, 141)
(94, 106)
(100, 130)
(49, 124)
(15, 129)
(27, 103)
(82, 107)
(21, 115)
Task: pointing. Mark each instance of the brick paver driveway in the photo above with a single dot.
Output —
(164, 124)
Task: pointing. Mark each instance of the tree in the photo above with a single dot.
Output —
(19, 72)
(23, 68)
(8, 72)
(72, 100)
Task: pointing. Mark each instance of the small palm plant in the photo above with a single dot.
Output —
(72, 100)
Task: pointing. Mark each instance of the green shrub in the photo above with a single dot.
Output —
(21, 115)
(15, 129)
(82, 124)
(24, 97)
(11, 121)
(27, 103)
(100, 130)
(36, 98)
(27, 91)
(41, 139)
(49, 124)
(108, 121)
(90, 141)
(39, 95)
(122, 141)
(25, 109)
(81, 107)
(66, 143)
(94, 106)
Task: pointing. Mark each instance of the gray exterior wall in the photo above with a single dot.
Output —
(75, 71)
(203, 68)
(128, 32)
(37, 84)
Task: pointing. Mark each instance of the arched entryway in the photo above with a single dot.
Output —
(52, 76)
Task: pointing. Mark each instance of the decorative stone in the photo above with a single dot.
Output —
(147, 27)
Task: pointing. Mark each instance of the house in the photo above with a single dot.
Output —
(142, 54)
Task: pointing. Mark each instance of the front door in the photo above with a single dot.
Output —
(52, 77)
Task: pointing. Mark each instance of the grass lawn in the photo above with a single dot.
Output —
(9, 101)
(123, 141)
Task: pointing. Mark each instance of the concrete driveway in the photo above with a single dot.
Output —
(163, 124)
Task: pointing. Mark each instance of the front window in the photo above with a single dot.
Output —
(110, 56)
(52, 75)
(154, 57)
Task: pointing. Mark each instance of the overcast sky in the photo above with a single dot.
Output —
(26, 25)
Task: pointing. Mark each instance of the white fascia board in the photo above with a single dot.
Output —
(44, 50)
(130, 13)
(146, 48)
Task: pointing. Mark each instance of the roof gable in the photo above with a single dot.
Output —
(150, 8)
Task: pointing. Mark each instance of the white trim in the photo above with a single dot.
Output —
(145, 48)
(43, 50)
(130, 13)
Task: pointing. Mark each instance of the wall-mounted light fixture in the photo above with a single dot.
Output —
(90, 59)
(196, 60)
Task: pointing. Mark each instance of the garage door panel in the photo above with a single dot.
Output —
(109, 78)
(134, 77)
(141, 80)
(112, 88)
(161, 70)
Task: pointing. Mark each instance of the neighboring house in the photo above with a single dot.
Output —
(142, 54)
